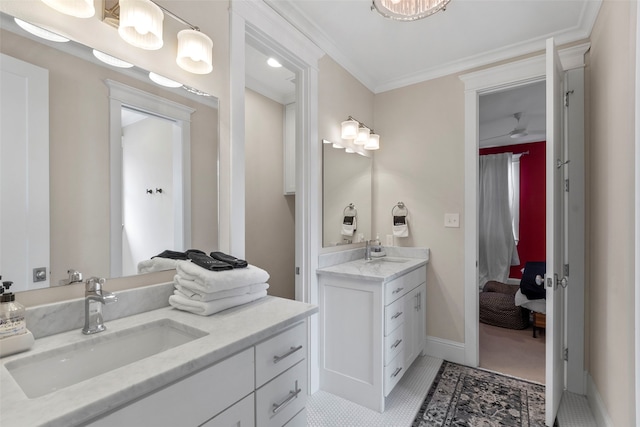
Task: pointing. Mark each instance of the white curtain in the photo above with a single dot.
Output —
(497, 246)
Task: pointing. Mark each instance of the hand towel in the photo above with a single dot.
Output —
(348, 225)
(400, 226)
(185, 288)
(156, 264)
(207, 308)
(212, 281)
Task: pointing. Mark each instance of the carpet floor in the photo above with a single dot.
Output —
(463, 396)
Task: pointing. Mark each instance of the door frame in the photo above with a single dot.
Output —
(511, 75)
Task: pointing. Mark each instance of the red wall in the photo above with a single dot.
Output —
(532, 201)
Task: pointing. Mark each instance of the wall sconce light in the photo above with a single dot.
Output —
(360, 134)
(77, 8)
(139, 23)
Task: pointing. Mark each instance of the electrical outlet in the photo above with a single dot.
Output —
(452, 220)
(389, 239)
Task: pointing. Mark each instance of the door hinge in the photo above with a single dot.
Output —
(566, 185)
(566, 97)
(565, 270)
(297, 271)
(565, 355)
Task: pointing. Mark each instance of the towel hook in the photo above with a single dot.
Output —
(401, 206)
(350, 207)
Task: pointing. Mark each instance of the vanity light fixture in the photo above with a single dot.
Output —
(360, 134)
(408, 10)
(111, 60)
(163, 81)
(139, 23)
(77, 8)
(40, 32)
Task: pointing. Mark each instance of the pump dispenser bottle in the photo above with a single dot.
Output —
(12, 321)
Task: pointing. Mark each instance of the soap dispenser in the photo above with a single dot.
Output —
(12, 321)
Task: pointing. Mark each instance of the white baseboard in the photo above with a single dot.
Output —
(452, 351)
(597, 404)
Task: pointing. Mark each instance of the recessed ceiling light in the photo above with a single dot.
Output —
(40, 32)
(163, 81)
(274, 63)
(111, 60)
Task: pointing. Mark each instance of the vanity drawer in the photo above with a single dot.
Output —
(403, 284)
(393, 316)
(279, 353)
(393, 372)
(393, 344)
(281, 399)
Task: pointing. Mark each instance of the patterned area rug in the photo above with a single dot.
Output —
(463, 396)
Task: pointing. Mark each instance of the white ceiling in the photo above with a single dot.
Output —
(384, 54)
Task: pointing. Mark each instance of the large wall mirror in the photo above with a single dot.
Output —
(346, 190)
(79, 173)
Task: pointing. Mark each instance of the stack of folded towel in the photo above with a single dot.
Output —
(204, 285)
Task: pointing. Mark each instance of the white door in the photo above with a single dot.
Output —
(24, 173)
(555, 195)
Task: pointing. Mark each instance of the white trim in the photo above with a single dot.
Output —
(255, 21)
(497, 78)
(451, 351)
(597, 405)
(122, 95)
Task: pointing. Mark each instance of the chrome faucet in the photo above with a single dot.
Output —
(95, 297)
(367, 251)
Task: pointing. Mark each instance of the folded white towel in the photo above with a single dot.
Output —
(207, 308)
(349, 229)
(208, 281)
(156, 264)
(186, 288)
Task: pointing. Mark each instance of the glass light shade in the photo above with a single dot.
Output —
(111, 60)
(195, 51)
(373, 143)
(77, 8)
(40, 32)
(141, 24)
(409, 10)
(163, 81)
(350, 129)
(363, 136)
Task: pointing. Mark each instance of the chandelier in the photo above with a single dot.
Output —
(408, 10)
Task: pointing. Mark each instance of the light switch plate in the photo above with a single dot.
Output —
(389, 240)
(452, 220)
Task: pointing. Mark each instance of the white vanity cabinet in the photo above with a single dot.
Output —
(371, 330)
(262, 386)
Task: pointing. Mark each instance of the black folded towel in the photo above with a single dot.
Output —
(171, 255)
(205, 261)
(231, 260)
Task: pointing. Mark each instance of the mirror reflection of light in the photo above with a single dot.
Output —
(163, 81)
(272, 62)
(111, 60)
(40, 32)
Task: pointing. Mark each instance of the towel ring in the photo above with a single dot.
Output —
(400, 206)
(350, 207)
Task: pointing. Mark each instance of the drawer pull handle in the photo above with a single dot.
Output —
(397, 343)
(277, 359)
(396, 372)
(398, 314)
(397, 290)
(277, 407)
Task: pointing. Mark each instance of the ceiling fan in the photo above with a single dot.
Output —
(517, 132)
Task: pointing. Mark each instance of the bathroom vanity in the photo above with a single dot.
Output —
(372, 325)
(246, 366)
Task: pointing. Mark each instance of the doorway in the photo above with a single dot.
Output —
(511, 218)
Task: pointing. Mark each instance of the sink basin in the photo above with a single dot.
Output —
(389, 259)
(52, 370)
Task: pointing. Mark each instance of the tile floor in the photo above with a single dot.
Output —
(327, 410)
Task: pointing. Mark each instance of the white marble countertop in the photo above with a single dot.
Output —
(229, 331)
(381, 269)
